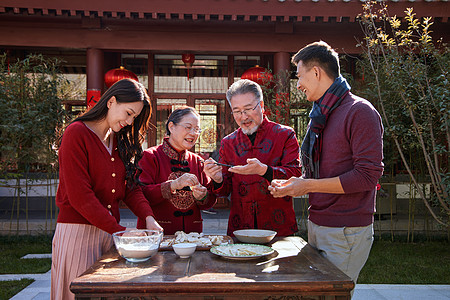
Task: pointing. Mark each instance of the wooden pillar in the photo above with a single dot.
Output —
(282, 62)
(94, 75)
(151, 136)
(230, 124)
(282, 67)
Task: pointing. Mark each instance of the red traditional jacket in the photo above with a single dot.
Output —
(252, 205)
(179, 211)
(92, 182)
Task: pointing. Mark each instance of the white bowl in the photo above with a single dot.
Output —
(254, 236)
(137, 245)
(184, 250)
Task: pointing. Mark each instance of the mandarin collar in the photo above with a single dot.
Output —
(171, 152)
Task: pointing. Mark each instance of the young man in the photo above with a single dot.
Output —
(259, 150)
(342, 156)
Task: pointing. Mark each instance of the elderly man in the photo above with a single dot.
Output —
(258, 151)
(342, 157)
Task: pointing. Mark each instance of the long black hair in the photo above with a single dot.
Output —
(131, 137)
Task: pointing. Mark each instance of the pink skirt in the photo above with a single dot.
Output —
(75, 248)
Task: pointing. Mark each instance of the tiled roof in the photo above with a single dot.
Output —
(217, 10)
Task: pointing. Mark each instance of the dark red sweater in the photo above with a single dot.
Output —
(353, 150)
(92, 182)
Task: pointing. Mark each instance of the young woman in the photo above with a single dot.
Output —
(98, 167)
(176, 186)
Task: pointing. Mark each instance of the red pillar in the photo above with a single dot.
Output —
(282, 67)
(282, 61)
(151, 136)
(94, 74)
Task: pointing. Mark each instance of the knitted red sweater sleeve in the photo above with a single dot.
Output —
(365, 131)
(76, 196)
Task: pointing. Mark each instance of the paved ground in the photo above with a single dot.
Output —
(216, 224)
(40, 290)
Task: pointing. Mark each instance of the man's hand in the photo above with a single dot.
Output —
(253, 167)
(299, 186)
(294, 186)
(213, 171)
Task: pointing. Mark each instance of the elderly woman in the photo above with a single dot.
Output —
(175, 184)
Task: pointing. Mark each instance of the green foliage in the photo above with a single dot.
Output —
(15, 247)
(32, 113)
(281, 97)
(407, 263)
(407, 77)
(11, 287)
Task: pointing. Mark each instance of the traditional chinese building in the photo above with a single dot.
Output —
(220, 40)
(188, 52)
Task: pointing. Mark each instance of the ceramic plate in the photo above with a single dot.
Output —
(254, 236)
(242, 251)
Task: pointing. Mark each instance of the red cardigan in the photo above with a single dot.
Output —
(92, 182)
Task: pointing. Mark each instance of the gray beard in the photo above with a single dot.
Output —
(250, 131)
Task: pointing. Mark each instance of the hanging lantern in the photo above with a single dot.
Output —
(92, 97)
(188, 59)
(114, 75)
(259, 75)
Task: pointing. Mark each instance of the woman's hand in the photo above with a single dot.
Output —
(151, 224)
(199, 191)
(133, 232)
(186, 179)
(212, 170)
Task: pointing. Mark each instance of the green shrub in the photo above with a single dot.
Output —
(32, 113)
(406, 75)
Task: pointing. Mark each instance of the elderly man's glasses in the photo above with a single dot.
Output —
(247, 111)
(190, 128)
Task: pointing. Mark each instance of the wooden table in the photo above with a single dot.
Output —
(295, 271)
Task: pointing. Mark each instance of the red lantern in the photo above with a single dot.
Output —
(188, 59)
(93, 95)
(114, 75)
(259, 75)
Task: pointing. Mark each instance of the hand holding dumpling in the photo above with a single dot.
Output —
(199, 191)
(294, 186)
(187, 179)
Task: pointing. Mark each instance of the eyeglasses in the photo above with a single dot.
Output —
(189, 128)
(245, 111)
